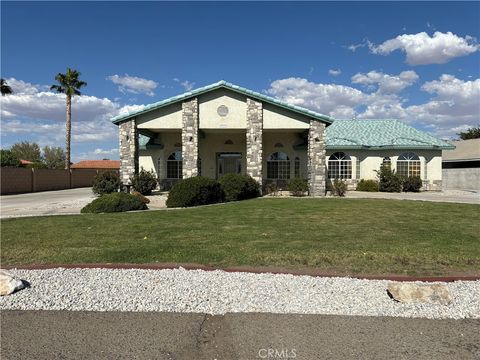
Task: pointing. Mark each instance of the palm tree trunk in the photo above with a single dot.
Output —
(68, 132)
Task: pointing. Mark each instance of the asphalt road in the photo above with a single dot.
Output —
(118, 335)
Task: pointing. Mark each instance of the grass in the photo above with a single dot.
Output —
(341, 236)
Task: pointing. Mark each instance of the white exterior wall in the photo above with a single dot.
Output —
(237, 110)
(277, 118)
(169, 117)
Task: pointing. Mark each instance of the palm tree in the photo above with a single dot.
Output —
(6, 90)
(70, 85)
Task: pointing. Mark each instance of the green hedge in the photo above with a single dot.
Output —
(105, 183)
(195, 191)
(144, 182)
(412, 184)
(239, 187)
(298, 186)
(367, 185)
(114, 202)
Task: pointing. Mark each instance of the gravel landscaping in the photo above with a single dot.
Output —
(219, 292)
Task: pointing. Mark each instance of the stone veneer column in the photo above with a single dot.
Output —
(190, 138)
(316, 158)
(128, 151)
(254, 139)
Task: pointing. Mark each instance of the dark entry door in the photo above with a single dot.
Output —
(228, 163)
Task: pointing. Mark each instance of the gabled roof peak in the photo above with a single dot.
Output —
(230, 86)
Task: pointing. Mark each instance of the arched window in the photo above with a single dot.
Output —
(278, 166)
(408, 164)
(297, 167)
(339, 166)
(174, 165)
(387, 163)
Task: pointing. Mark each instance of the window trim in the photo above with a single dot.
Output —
(178, 163)
(341, 163)
(283, 166)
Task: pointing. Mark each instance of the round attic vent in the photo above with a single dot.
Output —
(222, 110)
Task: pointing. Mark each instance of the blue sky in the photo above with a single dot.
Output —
(418, 62)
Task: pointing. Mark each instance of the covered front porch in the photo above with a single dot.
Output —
(283, 154)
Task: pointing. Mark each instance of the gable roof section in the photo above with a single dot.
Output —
(379, 134)
(223, 84)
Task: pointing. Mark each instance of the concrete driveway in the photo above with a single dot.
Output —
(45, 203)
(455, 196)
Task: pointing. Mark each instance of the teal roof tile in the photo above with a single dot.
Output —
(379, 134)
(226, 85)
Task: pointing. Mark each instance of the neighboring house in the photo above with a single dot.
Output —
(26, 162)
(461, 167)
(113, 165)
(223, 128)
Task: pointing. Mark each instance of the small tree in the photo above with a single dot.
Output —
(144, 182)
(298, 186)
(27, 151)
(339, 187)
(105, 183)
(7, 158)
(389, 181)
(472, 133)
(54, 157)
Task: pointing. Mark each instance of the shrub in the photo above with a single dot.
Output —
(144, 182)
(367, 185)
(298, 186)
(114, 202)
(271, 189)
(412, 184)
(106, 183)
(195, 191)
(339, 187)
(389, 181)
(239, 187)
(7, 158)
(142, 198)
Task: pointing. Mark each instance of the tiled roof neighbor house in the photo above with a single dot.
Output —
(97, 165)
(223, 128)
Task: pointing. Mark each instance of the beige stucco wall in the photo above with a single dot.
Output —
(288, 140)
(278, 118)
(237, 110)
(149, 159)
(169, 117)
(370, 160)
(214, 143)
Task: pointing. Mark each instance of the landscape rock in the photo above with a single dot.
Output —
(9, 283)
(414, 293)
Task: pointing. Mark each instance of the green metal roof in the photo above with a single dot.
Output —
(379, 134)
(226, 85)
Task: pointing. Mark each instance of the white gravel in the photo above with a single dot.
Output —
(219, 292)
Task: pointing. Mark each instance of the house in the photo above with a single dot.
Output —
(461, 167)
(112, 165)
(223, 128)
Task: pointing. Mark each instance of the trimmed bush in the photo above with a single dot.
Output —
(298, 186)
(105, 183)
(389, 181)
(239, 187)
(195, 191)
(412, 184)
(114, 202)
(144, 182)
(8, 158)
(367, 185)
(142, 198)
(339, 187)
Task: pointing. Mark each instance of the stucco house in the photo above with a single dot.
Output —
(224, 128)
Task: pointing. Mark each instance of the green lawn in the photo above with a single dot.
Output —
(342, 236)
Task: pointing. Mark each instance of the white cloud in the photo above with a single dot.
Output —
(134, 84)
(422, 49)
(354, 47)
(386, 84)
(455, 104)
(187, 85)
(22, 87)
(334, 72)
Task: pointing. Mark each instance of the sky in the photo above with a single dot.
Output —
(416, 62)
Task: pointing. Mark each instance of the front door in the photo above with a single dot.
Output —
(228, 163)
